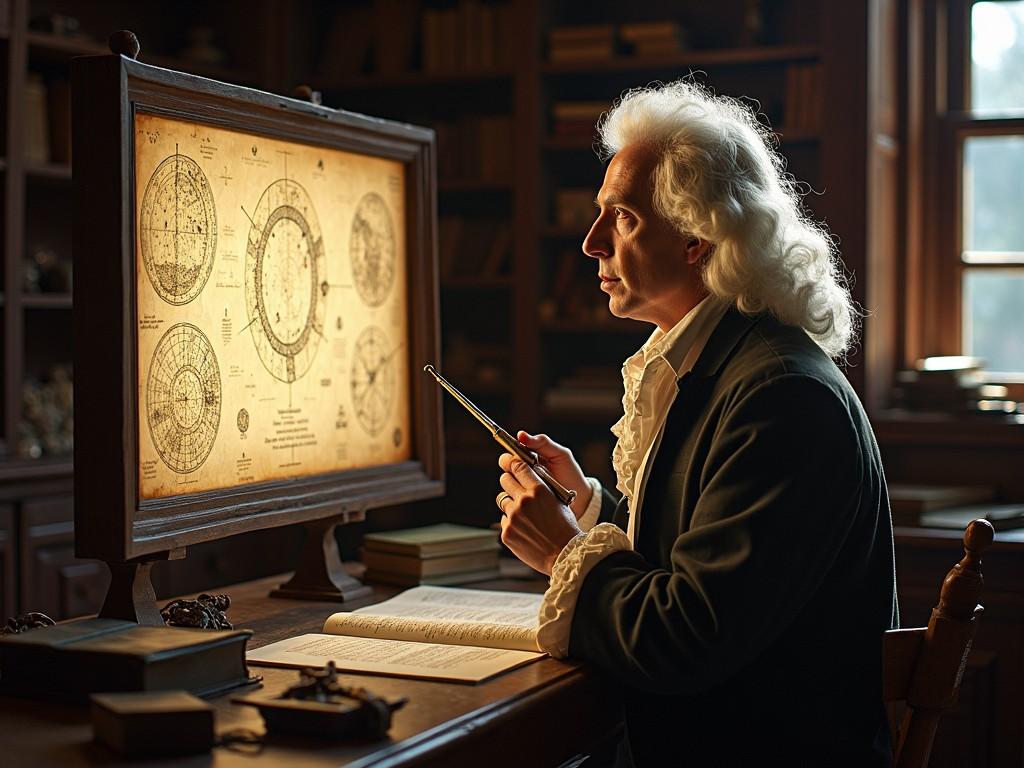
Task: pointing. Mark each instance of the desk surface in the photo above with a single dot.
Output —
(534, 715)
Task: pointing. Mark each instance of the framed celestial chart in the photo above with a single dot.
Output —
(261, 287)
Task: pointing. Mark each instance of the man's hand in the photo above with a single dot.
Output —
(534, 525)
(561, 465)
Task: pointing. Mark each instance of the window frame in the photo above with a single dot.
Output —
(938, 77)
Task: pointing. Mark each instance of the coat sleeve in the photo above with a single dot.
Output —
(779, 492)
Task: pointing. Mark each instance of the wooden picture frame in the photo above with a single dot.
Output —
(113, 520)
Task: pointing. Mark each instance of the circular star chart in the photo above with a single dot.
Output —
(178, 229)
(372, 249)
(285, 280)
(373, 379)
(183, 398)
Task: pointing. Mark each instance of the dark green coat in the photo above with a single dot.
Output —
(746, 625)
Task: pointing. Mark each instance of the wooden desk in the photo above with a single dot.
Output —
(537, 715)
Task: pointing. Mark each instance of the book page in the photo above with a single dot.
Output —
(391, 657)
(447, 615)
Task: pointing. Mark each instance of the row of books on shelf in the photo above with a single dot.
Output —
(471, 36)
(594, 42)
(804, 98)
(474, 247)
(441, 554)
(46, 120)
(588, 389)
(381, 38)
(480, 148)
(576, 119)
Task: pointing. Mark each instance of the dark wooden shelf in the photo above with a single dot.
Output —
(470, 283)
(568, 144)
(584, 415)
(473, 185)
(690, 58)
(46, 300)
(64, 45)
(417, 79)
(17, 469)
(48, 171)
(556, 232)
(619, 325)
(912, 428)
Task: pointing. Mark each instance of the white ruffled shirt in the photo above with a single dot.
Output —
(650, 381)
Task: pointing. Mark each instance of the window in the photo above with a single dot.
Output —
(981, 152)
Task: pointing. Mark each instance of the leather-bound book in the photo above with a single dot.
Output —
(76, 658)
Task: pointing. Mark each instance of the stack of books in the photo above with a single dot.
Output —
(576, 119)
(951, 385)
(653, 38)
(436, 554)
(594, 42)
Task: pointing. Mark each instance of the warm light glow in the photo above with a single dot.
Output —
(993, 33)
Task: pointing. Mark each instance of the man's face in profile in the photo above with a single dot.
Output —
(641, 257)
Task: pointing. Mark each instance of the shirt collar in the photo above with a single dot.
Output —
(682, 344)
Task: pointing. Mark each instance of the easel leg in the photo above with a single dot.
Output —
(131, 596)
(320, 574)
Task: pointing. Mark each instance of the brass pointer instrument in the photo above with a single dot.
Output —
(505, 440)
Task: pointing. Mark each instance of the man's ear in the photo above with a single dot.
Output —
(697, 249)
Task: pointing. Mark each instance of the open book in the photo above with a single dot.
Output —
(440, 633)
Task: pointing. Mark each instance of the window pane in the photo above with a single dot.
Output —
(994, 318)
(993, 169)
(997, 55)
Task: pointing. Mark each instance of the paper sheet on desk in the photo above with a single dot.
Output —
(431, 661)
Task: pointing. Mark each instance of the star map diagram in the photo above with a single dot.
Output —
(373, 379)
(183, 397)
(178, 229)
(372, 247)
(285, 281)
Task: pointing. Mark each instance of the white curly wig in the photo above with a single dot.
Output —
(720, 178)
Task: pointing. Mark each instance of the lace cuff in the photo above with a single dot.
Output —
(589, 518)
(572, 566)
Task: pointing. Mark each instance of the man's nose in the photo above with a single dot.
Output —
(595, 244)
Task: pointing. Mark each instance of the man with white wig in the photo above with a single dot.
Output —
(739, 588)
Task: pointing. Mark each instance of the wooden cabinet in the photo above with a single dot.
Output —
(52, 580)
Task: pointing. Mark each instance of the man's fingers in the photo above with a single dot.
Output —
(510, 484)
(522, 472)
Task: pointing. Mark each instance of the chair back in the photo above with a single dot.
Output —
(923, 667)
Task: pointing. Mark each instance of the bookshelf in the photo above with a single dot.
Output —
(38, 38)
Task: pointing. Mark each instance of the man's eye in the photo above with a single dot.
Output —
(621, 214)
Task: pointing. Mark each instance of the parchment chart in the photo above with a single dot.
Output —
(271, 302)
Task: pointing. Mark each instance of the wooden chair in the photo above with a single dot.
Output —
(923, 667)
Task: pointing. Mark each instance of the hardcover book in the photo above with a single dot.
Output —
(432, 540)
(73, 659)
